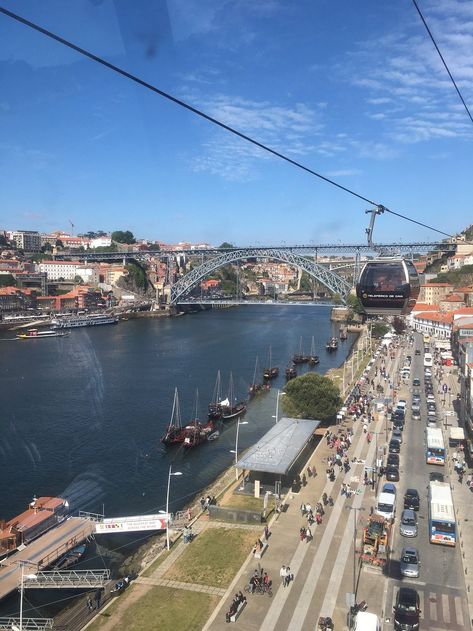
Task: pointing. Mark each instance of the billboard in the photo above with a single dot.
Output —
(132, 524)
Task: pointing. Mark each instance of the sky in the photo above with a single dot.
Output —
(353, 90)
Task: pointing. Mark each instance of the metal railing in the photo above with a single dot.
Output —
(95, 517)
(70, 578)
(63, 548)
(28, 624)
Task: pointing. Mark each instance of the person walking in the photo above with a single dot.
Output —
(282, 574)
(308, 534)
(288, 576)
(90, 604)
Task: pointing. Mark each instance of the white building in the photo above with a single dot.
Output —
(60, 269)
(100, 242)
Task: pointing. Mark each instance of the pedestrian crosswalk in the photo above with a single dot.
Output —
(440, 610)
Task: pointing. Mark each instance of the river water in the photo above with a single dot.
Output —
(81, 416)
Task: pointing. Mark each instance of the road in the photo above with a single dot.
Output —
(441, 584)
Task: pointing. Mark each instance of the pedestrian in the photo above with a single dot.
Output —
(308, 534)
(365, 427)
(189, 514)
(266, 532)
(304, 480)
(90, 604)
(202, 503)
(309, 471)
(314, 472)
(282, 574)
(98, 598)
(289, 577)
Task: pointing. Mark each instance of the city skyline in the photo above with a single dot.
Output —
(359, 96)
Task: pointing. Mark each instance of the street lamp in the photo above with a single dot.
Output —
(278, 394)
(167, 502)
(235, 451)
(22, 587)
(355, 517)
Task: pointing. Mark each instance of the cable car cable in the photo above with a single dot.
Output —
(198, 112)
(443, 60)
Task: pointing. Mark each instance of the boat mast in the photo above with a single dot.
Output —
(176, 412)
(256, 369)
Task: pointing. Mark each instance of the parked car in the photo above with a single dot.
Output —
(392, 460)
(408, 525)
(398, 414)
(394, 446)
(430, 397)
(415, 407)
(406, 610)
(416, 415)
(392, 473)
(389, 488)
(431, 406)
(411, 499)
(410, 562)
(416, 381)
(436, 476)
(398, 423)
(396, 435)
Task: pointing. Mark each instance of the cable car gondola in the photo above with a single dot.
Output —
(388, 286)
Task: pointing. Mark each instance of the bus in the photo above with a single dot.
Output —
(442, 526)
(435, 453)
(428, 360)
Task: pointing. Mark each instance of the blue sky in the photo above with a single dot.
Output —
(354, 90)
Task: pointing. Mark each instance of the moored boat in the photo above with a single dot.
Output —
(71, 557)
(332, 345)
(37, 334)
(174, 434)
(300, 358)
(291, 372)
(73, 322)
(230, 408)
(273, 371)
(256, 388)
(343, 333)
(313, 358)
(215, 407)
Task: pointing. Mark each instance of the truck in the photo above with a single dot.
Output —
(375, 542)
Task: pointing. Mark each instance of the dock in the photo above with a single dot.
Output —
(44, 551)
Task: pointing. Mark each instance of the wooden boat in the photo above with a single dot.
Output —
(273, 371)
(174, 434)
(195, 432)
(230, 409)
(343, 334)
(215, 407)
(291, 372)
(256, 388)
(313, 358)
(300, 358)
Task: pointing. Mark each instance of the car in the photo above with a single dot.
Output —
(436, 476)
(389, 488)
(401, 404)
(416, 381)
(416, 397)
(392, 473)
(406, 610)
(396, 435)
(410, 562)
(431, 398)
(431, 412)
(393, 460)
(408, 525)
(417, 352)
(409, 358)
(431, 421)
(394, 446)
(398, 423)
(431, 405)
(411, 499)
(415, 407)
(416, 415)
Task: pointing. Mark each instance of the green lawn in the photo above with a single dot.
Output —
(162, 557)
(246, 502)
(161, 609)
(214, 557)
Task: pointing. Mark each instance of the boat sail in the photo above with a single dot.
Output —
(313, 358)
(273, 371)
(231, 409)
(174, 433)
(300, 358)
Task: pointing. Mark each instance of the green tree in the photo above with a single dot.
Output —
(378, 329)
(137, 275)
(354, 304)
(121, 236)
(312, 396)
(226, 245)
(399, 325)
(59, 244)
(47, 247)
(78, 280)
(7, 280)
(306, 284)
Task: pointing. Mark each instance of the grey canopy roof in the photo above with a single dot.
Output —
(277, 450)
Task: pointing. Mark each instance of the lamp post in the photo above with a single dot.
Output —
(278, 394)
(167, 502)
(236, 445)
(355, 510)
(22, 586)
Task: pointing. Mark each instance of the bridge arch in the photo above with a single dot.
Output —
(329, 279)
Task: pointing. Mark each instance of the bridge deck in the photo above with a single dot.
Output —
(44, 551)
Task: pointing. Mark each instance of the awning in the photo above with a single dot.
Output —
(279, 448)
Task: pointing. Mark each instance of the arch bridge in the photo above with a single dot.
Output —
(335, 283)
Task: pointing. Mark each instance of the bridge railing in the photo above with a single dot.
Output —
(68, 578)
(63, 548)
(28, 624)
(97, 517)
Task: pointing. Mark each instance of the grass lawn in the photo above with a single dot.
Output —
(162, 609)
(246, 502)
(162, 557)
(214, 557)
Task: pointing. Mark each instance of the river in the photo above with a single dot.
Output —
(82, 416)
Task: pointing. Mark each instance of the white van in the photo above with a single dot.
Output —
(366, 621)
(386, 505)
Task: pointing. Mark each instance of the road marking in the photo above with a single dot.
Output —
(445, 608)
(422, 605)
(458, 610)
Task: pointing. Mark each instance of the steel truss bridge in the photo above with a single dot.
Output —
(304, 257)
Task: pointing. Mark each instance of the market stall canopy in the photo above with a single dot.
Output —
(279, 448)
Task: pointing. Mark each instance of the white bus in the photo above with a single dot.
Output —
(435, 453)
(428, 360)
(442, 526)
